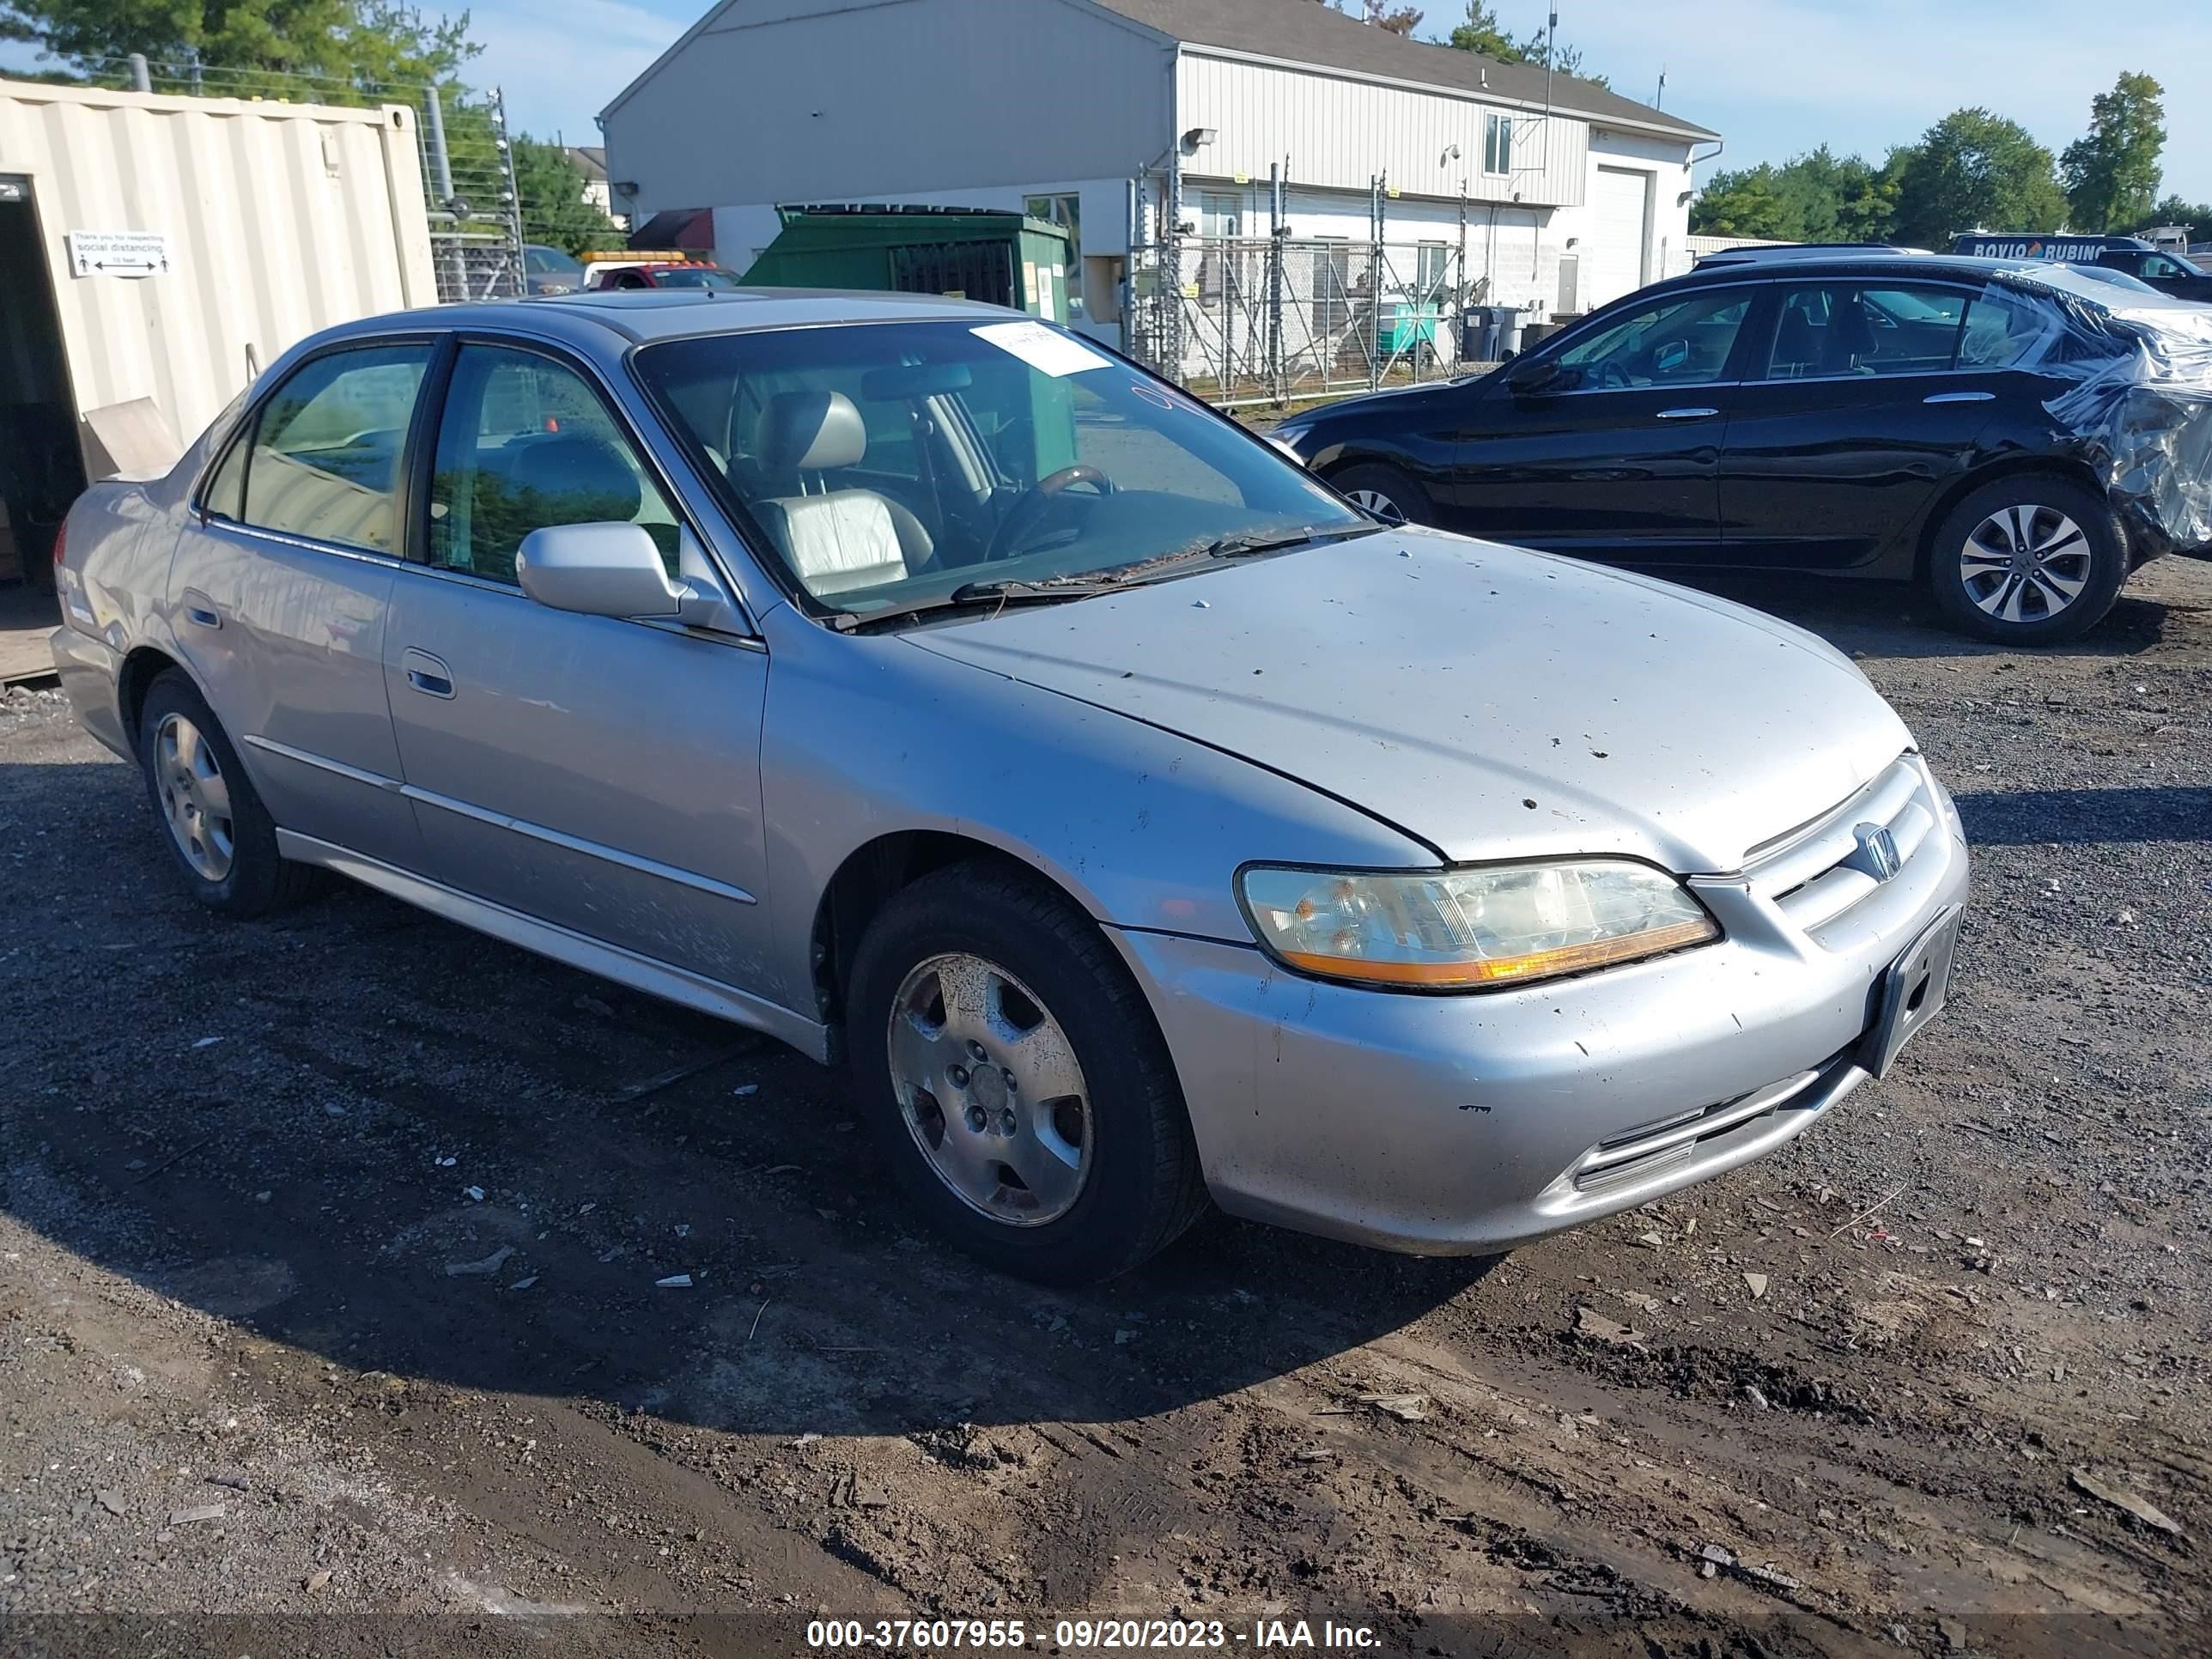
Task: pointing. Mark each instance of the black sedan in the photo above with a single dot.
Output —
(2020, 438)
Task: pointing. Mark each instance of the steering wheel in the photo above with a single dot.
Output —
(1612, 376)
(1029, 510)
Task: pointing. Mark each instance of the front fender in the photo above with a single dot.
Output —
(867, 736)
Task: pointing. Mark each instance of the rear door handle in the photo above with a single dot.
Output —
(1960, 398)
(200, 610)
(426, 673)
(1686, 414)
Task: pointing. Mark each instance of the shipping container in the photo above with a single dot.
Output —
(156, 252)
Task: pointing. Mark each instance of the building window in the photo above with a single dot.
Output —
(1433, 259)
(1498, 143)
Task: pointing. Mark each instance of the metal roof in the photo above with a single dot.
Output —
(1303, 33)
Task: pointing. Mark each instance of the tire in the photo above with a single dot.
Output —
(1135, 1184)
(1386, 492)
(2074, 550)
(231, 863)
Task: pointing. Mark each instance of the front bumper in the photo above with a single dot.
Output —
(1471, 1123)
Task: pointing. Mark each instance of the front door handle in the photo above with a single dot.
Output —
(426, 673)
(1686, 414)
(1959, 397)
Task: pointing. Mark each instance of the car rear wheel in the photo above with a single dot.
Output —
(213, 823)
(1017, 1082)
(1386, 492)
(2029, 561)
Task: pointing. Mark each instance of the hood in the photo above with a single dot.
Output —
(1493, 702)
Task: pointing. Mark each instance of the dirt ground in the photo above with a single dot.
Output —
(332, 1253)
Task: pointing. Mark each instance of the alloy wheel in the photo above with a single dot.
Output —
(2026, 563)
(991, 1090)
(1375, 501)
(195, 796)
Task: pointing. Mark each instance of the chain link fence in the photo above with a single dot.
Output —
(1244, 320)
(461, 141)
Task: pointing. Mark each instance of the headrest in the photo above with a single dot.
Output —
(581, 477)
(810, 431)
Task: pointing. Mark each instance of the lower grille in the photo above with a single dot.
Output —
(1646, 1150)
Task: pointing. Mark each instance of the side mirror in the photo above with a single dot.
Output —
(1524, 378)
(614, 569)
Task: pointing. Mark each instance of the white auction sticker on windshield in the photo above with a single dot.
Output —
(1043, 349)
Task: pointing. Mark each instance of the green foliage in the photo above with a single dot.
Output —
(554, 210)
(1743, 201)
(1481, 34)
(2173, 210)
(344, 51)
(2111, 171)
(1976, 169)
(1819, 196)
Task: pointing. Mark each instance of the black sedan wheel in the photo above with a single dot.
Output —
(1387, 493)
(2029, 561)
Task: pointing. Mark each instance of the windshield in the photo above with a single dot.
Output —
(892, 464)
(548, 260)
(693, 277)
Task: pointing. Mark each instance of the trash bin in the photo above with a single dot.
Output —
(1478, 335)
(1509, 331)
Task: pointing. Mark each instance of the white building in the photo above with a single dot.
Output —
(1569, 194)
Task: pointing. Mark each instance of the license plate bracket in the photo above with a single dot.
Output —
(1912, 992)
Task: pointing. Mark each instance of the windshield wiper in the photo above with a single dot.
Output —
(993, 595)
(1243, 547)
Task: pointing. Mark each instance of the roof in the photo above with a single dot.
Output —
(1302, 31)
(641, 316)
(592, 161)
(1896, 266)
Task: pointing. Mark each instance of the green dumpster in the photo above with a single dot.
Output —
(972, 253)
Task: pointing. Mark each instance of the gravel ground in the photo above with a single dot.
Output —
(329, 1252)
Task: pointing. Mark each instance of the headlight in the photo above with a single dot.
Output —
(1465, 929)
(1289, 437)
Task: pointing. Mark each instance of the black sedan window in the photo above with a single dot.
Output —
(1831, 329)
(1680, 341)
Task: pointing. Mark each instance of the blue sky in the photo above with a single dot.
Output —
(1773, 77)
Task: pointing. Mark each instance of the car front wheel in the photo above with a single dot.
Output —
(1386, 492)
(2029, 561)
(1019, 1085)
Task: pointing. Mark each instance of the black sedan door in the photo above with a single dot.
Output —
(1616, 454)
(1855, 409)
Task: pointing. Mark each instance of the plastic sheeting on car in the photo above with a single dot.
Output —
(2141, 404)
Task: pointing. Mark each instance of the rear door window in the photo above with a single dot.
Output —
(325, 459)
(2006, 330)
(1827, 330)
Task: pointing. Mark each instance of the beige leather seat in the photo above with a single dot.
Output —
(836, 539)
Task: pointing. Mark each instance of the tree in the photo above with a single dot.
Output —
(344, 51)
(1976, 170)
(2112, 170)
(1744, 202)
(2173, 210)
(1481, 35)
(1819, 196)
(551, 189)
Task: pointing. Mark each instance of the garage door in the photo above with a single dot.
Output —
(1619, 257)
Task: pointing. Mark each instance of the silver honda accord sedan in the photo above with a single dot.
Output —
(940, 694)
